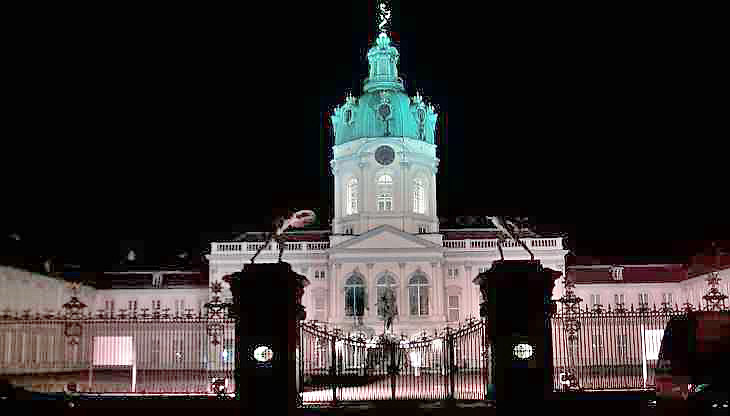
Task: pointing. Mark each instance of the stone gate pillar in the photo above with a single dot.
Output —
(267, 305)
(517, 305)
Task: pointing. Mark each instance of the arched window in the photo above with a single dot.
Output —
(418, 294)
(354, 296)
(384, 284)
(419, 197)
(352, 197)
(385, 192)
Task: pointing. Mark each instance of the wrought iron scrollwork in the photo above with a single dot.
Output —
(714, 300)
(571, 310)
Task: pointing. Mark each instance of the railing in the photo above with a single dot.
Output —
(251, 248)
(491, 244)
(321, 246)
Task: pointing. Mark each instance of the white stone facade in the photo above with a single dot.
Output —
(387, 249)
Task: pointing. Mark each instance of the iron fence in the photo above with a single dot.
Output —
(451, 363)
(616, 348)
(122, 352)
(118, 355)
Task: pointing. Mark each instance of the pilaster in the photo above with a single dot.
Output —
(339, 294)
(405, 179)
(438, 291)
(372, 310)
(403, 302)
(362, 203)
(469, 290)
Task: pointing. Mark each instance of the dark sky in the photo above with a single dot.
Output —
(172, 125)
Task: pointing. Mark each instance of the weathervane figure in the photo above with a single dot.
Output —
(297, 220)
(510, 230)
(383, 17)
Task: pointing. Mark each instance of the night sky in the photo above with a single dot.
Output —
(173, 127)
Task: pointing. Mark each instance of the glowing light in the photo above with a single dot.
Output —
(263, 354)
(523, 351)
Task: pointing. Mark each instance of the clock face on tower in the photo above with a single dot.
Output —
(384, 155)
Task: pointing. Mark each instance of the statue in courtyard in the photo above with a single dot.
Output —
(297, 220)
(510, 227)
(387, 307)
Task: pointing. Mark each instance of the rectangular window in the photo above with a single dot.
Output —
(424, 300)
(483, 269)
(643, 299)
(156, 280)
(595, 300)
(385, 202)
(454, 308)
(453, 273)
(618, 299)
(413, 297)
(132, 305)
(178, 307)
(667, 298)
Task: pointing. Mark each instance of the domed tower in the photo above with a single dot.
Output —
(384, 160)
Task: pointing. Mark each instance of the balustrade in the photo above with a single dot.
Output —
(491, 244)
(250, 248)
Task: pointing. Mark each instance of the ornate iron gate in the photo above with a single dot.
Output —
(450, 364)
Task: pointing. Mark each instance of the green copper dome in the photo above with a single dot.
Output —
(384, 110)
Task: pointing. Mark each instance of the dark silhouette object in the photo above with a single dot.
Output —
(297, 220)
(511, 227)
(387, 308)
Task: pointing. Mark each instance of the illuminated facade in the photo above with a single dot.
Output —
(385, 232)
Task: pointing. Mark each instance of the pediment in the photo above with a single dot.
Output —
(386, 237)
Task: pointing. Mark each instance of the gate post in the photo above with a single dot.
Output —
(517, 305)
(266, 333)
